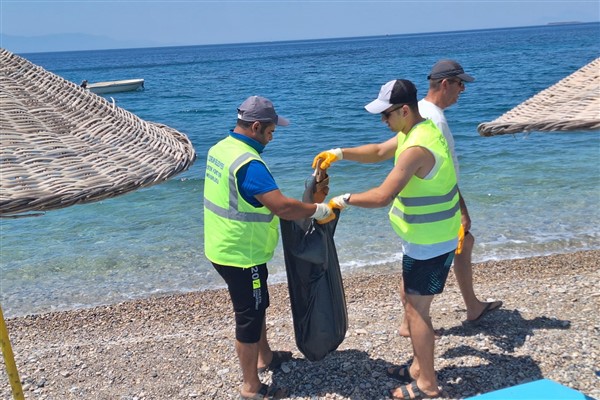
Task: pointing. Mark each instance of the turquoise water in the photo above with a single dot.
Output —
(528, 194)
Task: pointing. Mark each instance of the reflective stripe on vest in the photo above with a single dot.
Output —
(428, 200)
(427, 211)
(426, 218)
(233, 213)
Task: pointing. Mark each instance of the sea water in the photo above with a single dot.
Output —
(528, 194)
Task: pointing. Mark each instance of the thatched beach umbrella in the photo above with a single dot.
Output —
(573, 103)
(62, 145)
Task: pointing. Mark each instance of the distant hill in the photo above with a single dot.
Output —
(565, 23)
(67, 42)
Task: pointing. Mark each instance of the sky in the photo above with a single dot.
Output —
(89, 25)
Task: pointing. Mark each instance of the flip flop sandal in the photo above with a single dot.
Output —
(279, 357)
(416, 393)
(489, 307)
(266, 392)
(401, 373)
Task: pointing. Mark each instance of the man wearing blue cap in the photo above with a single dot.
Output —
(242, 204)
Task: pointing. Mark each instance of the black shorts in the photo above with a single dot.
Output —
(426, 277)
(250, 298)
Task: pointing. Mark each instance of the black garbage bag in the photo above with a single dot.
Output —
(315, 282)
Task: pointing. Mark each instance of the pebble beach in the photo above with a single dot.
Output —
(182, 346)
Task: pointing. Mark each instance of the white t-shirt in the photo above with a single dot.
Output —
(430, 111)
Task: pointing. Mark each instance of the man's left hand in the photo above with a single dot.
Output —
(340, 202)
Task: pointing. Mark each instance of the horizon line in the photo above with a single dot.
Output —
(548, 24)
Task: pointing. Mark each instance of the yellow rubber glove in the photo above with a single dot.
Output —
(340, 202)
(461, 239)
(327, 157)
(324, 213)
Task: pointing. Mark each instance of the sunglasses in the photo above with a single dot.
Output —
(386, 114)
(460, 82)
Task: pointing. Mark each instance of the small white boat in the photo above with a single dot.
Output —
(127, 85)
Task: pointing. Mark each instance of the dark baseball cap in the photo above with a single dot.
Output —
(256, 108)
(449, 69)
(398, 91)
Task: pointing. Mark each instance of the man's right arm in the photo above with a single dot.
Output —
(372, 153)
(413, 161)
(368, 153)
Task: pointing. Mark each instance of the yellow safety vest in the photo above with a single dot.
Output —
(427, 211)
(235, 232)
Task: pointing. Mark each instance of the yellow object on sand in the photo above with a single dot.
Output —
(9, 361)
(461, 239)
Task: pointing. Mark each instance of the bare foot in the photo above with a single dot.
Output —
(404, 329)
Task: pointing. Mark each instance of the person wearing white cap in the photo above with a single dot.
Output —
(242, 204)
(424, 213)
(446, 83)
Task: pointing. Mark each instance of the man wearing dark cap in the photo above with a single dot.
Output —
(242, 204)
(446, 83)
(425, 214)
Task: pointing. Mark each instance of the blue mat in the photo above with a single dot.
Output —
(544, 389)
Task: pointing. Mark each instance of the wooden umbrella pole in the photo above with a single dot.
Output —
(9, 361)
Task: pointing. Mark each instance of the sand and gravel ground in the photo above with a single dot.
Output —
(181, 346)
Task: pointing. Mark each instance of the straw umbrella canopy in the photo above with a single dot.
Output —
(62, 145)
(573, 103)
